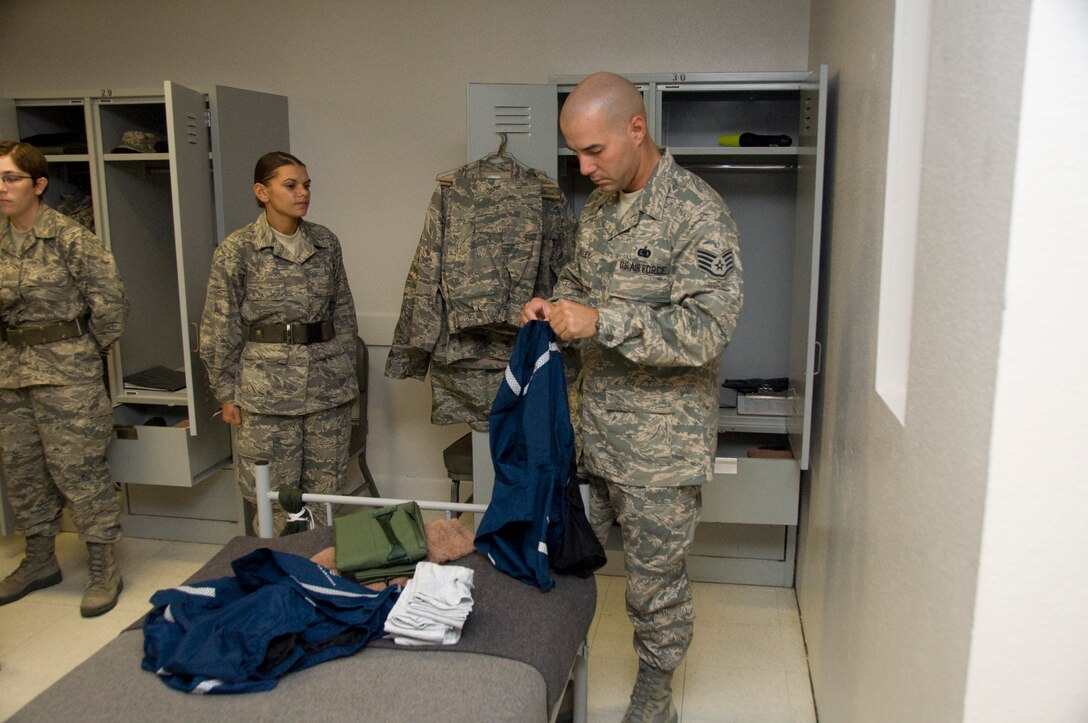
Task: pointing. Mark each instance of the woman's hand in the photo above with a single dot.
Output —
(232, 414)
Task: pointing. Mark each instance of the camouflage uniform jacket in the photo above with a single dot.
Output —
(254, 282)
(488, 246)
(666, 282)
(63, 272)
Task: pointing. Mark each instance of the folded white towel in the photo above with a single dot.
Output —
(433, 606)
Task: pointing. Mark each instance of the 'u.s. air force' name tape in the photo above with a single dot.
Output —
(715, 264)
(641, 268)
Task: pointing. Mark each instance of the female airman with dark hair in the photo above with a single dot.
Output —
(278, 339)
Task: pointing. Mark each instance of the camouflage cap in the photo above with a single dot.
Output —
(140, 142)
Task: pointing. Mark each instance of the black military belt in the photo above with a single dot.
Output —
(296, 333)
(44, 333)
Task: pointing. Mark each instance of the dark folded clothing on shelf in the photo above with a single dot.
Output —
(58, 143)
(754, 386)
(158, 378)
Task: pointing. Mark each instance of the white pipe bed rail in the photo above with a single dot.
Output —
(265, 497)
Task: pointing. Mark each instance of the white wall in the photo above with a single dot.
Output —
(1029, 648)
(896, 517)
(377, 107)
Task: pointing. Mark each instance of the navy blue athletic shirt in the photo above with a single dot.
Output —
(278, 614)
(532, 442)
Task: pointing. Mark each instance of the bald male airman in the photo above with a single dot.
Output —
(651, 299)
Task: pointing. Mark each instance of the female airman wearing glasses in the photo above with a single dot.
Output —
(61, 307)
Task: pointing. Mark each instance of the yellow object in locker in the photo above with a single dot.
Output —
(754, 140)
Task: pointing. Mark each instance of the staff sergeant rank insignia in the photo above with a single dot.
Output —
(715, 264)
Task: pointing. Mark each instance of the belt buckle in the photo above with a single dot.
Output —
(289, 333)
(18, 335)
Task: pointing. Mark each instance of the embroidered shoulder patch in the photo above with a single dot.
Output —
(715, 264)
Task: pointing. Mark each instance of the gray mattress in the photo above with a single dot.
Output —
(511, 663)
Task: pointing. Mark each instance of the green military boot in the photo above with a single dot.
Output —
(651, 699)
(38, 569)
(104, 583)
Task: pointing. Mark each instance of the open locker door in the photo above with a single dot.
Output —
(9, 124)
(806, 264)
(194, 235)
(527, 114)
(245, 125)
(9, 130)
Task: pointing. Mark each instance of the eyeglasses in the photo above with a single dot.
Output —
(9, 179)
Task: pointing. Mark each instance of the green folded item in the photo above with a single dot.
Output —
(382, 543)
(382, 574)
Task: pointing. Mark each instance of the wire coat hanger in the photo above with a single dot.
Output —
(496, 165)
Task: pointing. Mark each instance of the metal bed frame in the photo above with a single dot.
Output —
(579, 672)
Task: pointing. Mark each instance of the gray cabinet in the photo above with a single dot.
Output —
(747, 533)
(161, 209)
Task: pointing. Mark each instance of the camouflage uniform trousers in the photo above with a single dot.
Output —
(309, 451)
(461, 394)
(658, 527)
(53, 442)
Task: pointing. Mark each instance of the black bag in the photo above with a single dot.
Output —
(580, 552)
